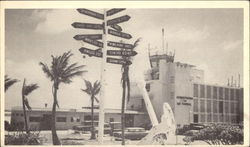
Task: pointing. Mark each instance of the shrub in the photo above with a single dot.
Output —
(20, 138)
(216, 134)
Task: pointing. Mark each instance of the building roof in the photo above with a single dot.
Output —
(19, 108)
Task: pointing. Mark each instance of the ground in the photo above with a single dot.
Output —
(68, 137)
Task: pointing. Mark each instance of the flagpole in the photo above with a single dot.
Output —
(103, 83)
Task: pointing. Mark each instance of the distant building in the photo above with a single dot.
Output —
(192, 101)
(40, 118)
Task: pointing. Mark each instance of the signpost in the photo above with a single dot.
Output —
(93, 42)
(121, 53)
(119, 34)
(118, 61)
(114, 11)
(102, 52)
(90, 36)
(91, 13)
(116, 27)
(120, 45)
(90, 52)
(87, 26)
(118, 20)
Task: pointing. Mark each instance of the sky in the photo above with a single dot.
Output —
(211, 39)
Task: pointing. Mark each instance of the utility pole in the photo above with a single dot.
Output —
(103, 81)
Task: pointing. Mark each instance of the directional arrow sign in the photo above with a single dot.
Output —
(91, 13)
(118, 20)
(119, 34)
(118, 61)
(90, 36)
(120, 45)
(116, 27)
(90, 52)
(113, 11)
(93, 42)
(87, 26)
(121, 53)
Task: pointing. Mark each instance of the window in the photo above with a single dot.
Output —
(61, 119)
(21, 114)
(209, 118)
(215, 92)
(195, 90)
(215, 118)
(35, 119)
(220, 93)
(215, 110)
(196, 118)
(72, 119)
(227, 107)
(148, 87)
(221, 118)
(172, 79)
(221, 107)
(226, 93)
(202, 91)
(202, 116)
(202, 105)
(17, 114)
(232, 108)
(209, 91)
(195, 105)
(237, 94)
(232, 94)
(236, 106)
(209, 106)
(172, 96)
(87, 117)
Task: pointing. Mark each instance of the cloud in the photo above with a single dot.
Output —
(53, 21)
(190, 34)
(228, 46)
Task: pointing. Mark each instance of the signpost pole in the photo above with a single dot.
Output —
(103, 83)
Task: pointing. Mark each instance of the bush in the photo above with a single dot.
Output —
(216, 134)
(20, 138)
(181, 131)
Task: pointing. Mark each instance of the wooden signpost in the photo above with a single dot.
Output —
(118, 20)
(90, 52)
(102, 52)
(119, 34)
(87, 26)
(121, 53)
(116, 27)
(90, 36)
(118, 61)
(91, 13)
(114, 11)
(120, 45)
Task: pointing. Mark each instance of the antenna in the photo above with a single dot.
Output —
(166, 47)
(232, 79)
(228, 82)
(163, 39)
(239, 81)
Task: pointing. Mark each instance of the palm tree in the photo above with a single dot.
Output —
(8, 82)
(26, 90)
(92, 91)
(125, 83)
(60, 72)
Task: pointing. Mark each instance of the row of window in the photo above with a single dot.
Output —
(58, 119)
(214, 106)
(216, 118)
(205, 91)
(17, 114)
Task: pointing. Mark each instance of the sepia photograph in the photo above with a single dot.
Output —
(116, 74)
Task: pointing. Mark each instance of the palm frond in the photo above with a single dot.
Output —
(96, 99)
(137, 42)
(8, 82)
(27, 89)
(47, 71)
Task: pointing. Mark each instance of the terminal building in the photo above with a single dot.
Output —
(179, 84)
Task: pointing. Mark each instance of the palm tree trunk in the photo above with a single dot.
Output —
(24, 110)
(123, 107)
(92, 119)
(55, 138)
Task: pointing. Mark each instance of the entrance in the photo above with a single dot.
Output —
(46, 122)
